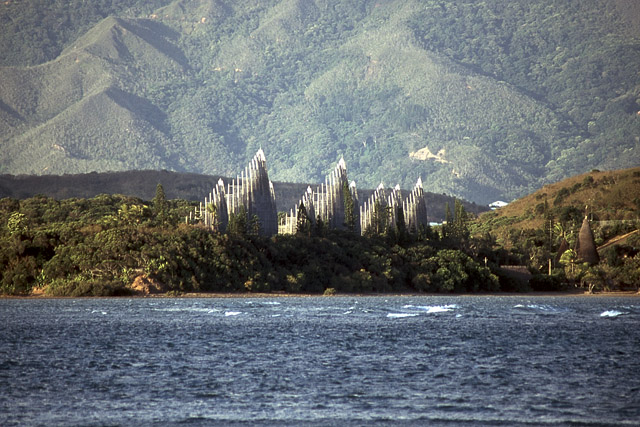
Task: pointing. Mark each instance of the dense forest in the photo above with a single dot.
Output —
(484, 100)
(98, 246)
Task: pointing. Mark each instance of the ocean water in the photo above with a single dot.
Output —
(321, 361)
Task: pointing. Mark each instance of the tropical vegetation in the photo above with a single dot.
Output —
(98, 246)
(542, 231)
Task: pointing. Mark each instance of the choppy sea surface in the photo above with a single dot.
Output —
(321, 361)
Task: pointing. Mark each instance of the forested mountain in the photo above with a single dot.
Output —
(484, 100)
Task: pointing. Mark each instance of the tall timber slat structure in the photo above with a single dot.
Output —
(327, 203)
(372, 209)
(252, 191)
(415, 208)
(381, 204)
(216, 214)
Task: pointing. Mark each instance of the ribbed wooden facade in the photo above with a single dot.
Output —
(327, 203)
(389, 204)
(252, 191)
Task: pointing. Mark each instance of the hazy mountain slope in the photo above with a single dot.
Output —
(36, 31)
(111, 129)
(484, 100)
(78, 113)
(580, 58)
(374, 88)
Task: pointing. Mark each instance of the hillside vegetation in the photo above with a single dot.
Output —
(110, 244)
(510, 95)
(545, 227)
(608, 198)
(100, 246)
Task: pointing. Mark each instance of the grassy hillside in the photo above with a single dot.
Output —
(611, 199)
(511, 96)
(542, 229)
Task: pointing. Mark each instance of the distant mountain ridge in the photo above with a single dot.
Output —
(511, 96)
(186, 186)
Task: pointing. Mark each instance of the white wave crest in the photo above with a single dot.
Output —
(611, 313)
(400, 315)
(540, 308)
(98, 311)
(434, 308)
(232, 313)
(187, 309)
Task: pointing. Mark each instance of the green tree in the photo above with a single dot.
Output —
(303, 225)
(447, 224)
(238, 222)
(350, 216)
(456, 229)
(569, 259)
(594, 279)
(212, 210)
(380, 218)
(254, 225)
(17, 224)
(160, 207)
(401, 225)
(131, 214)
(320, 227)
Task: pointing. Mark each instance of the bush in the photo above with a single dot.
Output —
(545, 283)
(560, 196)
(329, 292)
(80, 286)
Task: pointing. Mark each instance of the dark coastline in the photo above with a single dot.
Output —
(249, 295)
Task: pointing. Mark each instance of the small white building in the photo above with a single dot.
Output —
(498, 204)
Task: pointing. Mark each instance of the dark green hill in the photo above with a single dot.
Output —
(483, 100)
(186, 186)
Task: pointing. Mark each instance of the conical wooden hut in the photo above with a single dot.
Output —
(586, 248)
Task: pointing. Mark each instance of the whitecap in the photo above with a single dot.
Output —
(400, 315)
(553, 309)
(186, 309)
(437, 308)
(232, 313)
(541, 308)
(611, 313)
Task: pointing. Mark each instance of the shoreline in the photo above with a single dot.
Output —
(248, 295)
